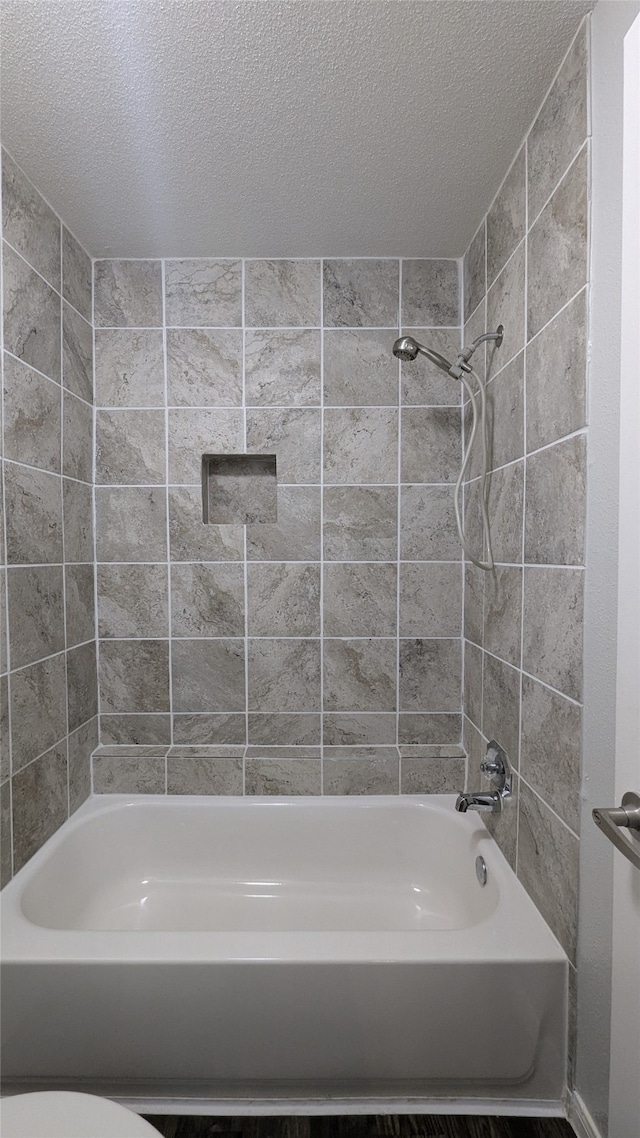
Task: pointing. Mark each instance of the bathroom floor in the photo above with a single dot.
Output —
(362, 1126)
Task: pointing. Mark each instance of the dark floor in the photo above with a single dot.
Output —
(361, 1126)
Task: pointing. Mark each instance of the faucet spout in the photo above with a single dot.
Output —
(490, 803)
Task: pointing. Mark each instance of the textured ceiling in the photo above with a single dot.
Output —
(275, 127)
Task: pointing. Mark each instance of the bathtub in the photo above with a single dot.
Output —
(211, 953)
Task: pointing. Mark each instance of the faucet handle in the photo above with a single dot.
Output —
(493, 767)
(496, 766)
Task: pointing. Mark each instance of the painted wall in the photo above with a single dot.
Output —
(236, 652)
(48, 688)
(527, 267)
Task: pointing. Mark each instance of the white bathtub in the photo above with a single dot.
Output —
(211, 950)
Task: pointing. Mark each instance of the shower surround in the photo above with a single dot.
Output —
(336, 626)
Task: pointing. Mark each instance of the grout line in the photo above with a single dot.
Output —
(58, 291)
(524, 494)
(245, 569)
(167, 524)
(63, 541)
(398, 520)
(537, 794)
(5, 615)
(322, 563)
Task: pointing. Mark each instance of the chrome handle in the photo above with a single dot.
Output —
(626, 816)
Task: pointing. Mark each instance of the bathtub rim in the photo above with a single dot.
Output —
(514, 932)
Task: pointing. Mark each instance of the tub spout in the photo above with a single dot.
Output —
(490, 803)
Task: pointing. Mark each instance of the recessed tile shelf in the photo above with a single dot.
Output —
(239, 489)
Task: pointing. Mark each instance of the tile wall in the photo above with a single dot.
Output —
(527, 268)
(321, 652)
(48, 687)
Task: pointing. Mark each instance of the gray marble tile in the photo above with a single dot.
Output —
(431, 775)
(293, 435)
(5, 749)
(474, 592)
(474, 272)
(429, 728)
(505, 512)
(282, 752)
(422, 383)
(82, 743)
(38, 709)
(283, 776)
(36, 613)
(131, 524)
(505, 397)
(430, 599)
(475, 746)
(132, 751)
(4, 667)
(31, 416)
(204, 367)
(360, 600)
(32, 316)
(556, 377)
(555, 504)
(431, 449)
(127, 294)
(361, 445)
(295, 536)
(137, 729)
(131, 447)
(203, 293)
(506, 306)
(361, 293)
(134, 675)
(82, 685)
(129, 368)
(507, 218)
(122, 774)
(360, 523)
(29, 224)
(200, 775)
(239, 489)
(375, 774)
(430, 291)
(432, 751)
(133, 601)
(6, 836)
(33, 516)
(221, 729)
(79, 604)
(76, 274)
(207, 600)
(345, 729)
(283, 600)
(211, 751)
(360, 675)
(39, 803)
(78, 521)
(284, 675)
(77, 433)
(282, 367)
(293, 730)
(208, 675)
(548, 867)
(281, 293)
(553, 617)
(359, 368)
(430, 675)
(194, 433)
(557, 260)
(501, 706)
(503, 613)
(190, 539)
(560, 128)
(427, 524)
(472, 692)
(77, 354)
(551, 742)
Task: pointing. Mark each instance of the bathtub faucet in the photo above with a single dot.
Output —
(496, 766)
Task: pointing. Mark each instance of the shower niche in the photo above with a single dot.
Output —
(239, 489)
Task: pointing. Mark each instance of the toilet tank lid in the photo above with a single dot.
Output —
(68, 1114)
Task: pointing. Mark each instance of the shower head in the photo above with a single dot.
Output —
(407, 349)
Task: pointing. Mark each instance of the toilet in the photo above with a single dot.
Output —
(66, 1114)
